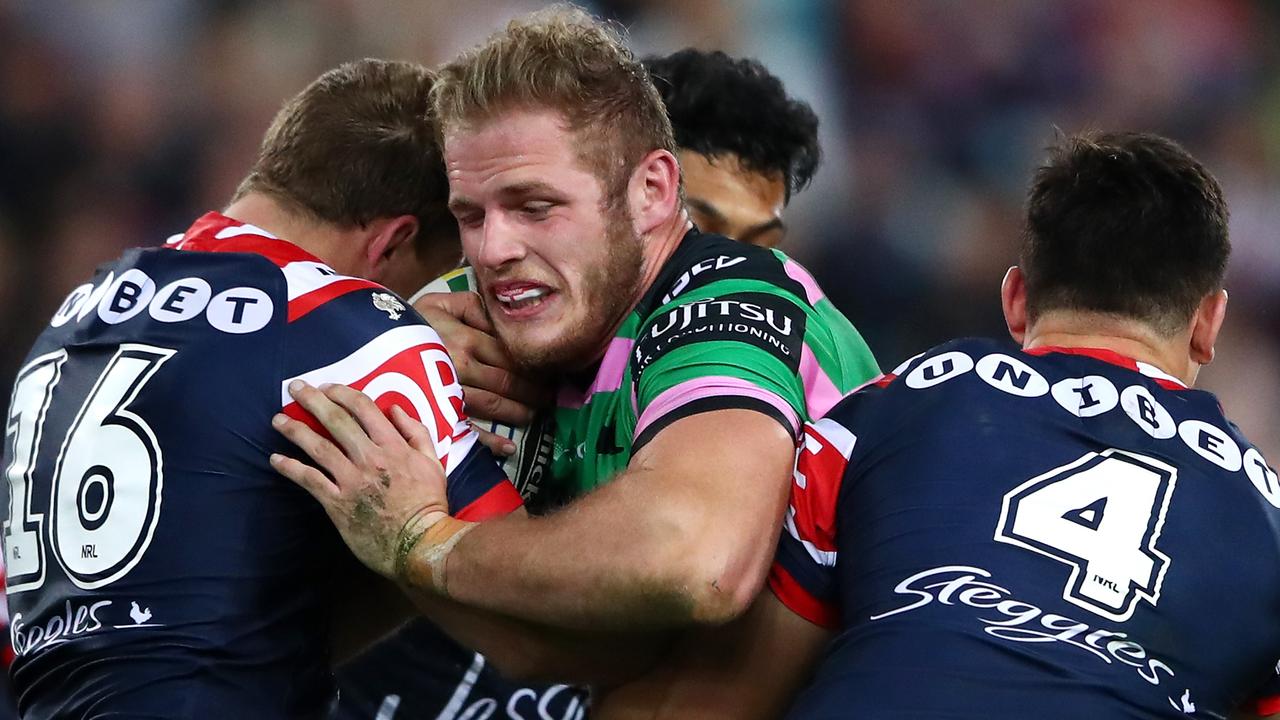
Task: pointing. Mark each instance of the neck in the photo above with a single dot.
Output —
(658, 248)
(317, 238)
(1124, 337)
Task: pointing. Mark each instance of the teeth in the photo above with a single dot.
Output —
(522, 296)
(529, 294)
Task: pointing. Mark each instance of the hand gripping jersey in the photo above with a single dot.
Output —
(157, 566)
(725, 325)
(1002, 534)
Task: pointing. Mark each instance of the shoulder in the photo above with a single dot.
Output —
(703, 260)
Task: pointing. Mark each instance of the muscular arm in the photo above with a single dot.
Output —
(748, 669)
(685, 534)
(374, 607)
(530, 652)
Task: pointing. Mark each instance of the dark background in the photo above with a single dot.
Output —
(122, 120)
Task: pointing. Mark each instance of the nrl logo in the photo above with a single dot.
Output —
(387, 303)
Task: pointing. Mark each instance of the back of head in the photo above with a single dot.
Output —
(356, 145)
(724, 106)
(1126, 224)
(561, 59)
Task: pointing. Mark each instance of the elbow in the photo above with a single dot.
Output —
(719, 588)
(722, 600)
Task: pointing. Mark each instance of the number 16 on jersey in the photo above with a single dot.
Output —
(104, 496)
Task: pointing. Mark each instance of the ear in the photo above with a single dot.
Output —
(383, 238)
(1205, 326)
(1013, 300)
(654, 190)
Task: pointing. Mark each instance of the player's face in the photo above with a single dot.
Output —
(726, 198)
(558, 267)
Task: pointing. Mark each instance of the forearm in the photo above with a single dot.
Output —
(685, 535)
(562, 570)
(530, 652)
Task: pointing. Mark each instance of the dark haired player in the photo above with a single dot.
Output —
(744, 146)
(157, 566)
(1065, 530)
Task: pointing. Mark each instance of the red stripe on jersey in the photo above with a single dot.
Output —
(1268, 705)
(799, 601)
(304, 304)
(884, 380)
(1112, 357)
(405, 371)
(819, 472)
(239, 237)
(501, 499)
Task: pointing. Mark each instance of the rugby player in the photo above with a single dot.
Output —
(156, 566)
(685, 361)
(744, 147)
(1067, 530)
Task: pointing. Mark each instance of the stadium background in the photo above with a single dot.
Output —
(122, 120)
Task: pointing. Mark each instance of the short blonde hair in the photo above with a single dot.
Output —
(561, 58)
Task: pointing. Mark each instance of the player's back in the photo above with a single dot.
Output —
(158, 567)
(1042, 534)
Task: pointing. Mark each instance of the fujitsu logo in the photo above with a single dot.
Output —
(684, 316)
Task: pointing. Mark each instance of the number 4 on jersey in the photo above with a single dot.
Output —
(1101, 515)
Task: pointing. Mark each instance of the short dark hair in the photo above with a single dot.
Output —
(357, 144)
(724, 106)
(1126, 224)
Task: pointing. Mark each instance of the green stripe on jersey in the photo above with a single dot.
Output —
(722, 322)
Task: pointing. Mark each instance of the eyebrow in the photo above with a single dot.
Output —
(761, 229)
(532, 187)
(755, 231)
(705, 208)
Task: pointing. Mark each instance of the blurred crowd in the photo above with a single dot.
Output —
(122, 120)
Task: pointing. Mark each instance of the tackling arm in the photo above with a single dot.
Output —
(684, 535)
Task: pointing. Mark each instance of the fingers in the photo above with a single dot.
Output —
(309, 478)
(413, 432)
(497, 444)
(467, 344)
(320, 450)
(335, 418)
(465, 307)
(366, 412)
(491, 406)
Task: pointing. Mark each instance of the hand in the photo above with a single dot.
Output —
(499, 445)
(388, 487)
(491, 385)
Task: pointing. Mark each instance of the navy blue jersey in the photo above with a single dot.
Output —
(1002, 534)
(157, 566)
(419, 673)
